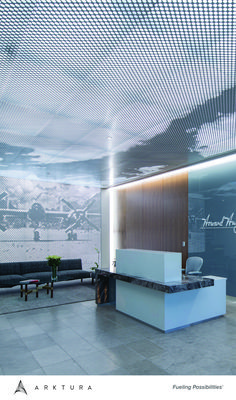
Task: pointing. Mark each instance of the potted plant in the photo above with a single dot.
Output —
(54, 262)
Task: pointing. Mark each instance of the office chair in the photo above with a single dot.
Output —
(193, 266)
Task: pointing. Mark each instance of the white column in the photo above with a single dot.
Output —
(105, 229)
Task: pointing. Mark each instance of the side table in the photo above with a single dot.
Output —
(24, 287)
(49, 287)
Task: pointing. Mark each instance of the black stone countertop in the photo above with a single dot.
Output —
(187, 283)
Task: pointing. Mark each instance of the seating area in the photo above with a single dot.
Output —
(12, 273)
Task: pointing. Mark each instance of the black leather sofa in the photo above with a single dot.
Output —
(13, 272)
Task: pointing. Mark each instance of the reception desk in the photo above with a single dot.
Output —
(167, 305)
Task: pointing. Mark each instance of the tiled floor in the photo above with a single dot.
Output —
(83, 339)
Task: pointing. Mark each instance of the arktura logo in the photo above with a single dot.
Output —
(20, 388)
(53, 387)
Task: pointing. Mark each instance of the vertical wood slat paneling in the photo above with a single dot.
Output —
(154, 215)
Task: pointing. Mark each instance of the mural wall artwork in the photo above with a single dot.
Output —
(42, 218)
(212, 221)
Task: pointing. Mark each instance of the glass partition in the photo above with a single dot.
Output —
(212, 220)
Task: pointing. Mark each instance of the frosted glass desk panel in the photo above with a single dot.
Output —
(162, 266)
(170, 311)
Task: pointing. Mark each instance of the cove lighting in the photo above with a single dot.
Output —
(202, 165)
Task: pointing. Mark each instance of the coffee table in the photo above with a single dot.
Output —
(24, 287)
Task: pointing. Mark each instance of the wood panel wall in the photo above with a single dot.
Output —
(154, 215)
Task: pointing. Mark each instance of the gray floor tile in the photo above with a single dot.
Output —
(90, 333)
(50, 355)
(146, 348)
(30, 329)
(127, 335)
(37, 342)
(96, 363)
(146, 367)
(4, 323)
(52, 325)
(68, 367)
(104, 341)
(78, 347)
(62, 334)
(38, 371)
(85, 339)
(18, 319)
(123, 355)
(17, 356)
(165, 360)
(118, 371)
(7, 336)
(22, 364)
(205, 367)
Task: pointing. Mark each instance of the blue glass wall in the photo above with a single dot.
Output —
(212, 220)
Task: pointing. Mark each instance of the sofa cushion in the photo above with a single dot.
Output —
(42, 276)
(10, 280)
(72, 274)
(34, 266)
(14, 272)
(11, 268)
(70, 264)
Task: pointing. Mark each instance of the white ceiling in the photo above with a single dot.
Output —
(99, 92)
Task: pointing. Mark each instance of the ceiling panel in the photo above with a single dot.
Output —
(100, 92)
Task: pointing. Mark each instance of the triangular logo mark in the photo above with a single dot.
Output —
(20, 388)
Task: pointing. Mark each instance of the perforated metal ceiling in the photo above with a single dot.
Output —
(102, 91)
